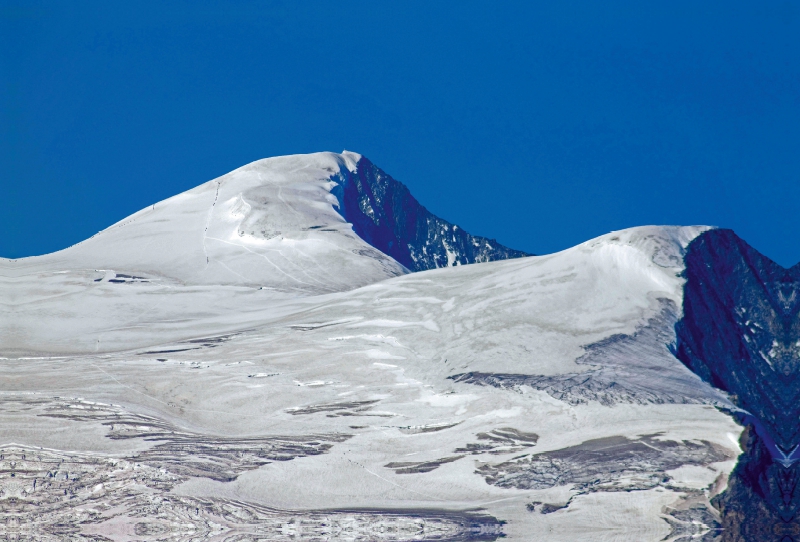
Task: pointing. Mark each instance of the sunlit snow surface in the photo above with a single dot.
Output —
(235, 363)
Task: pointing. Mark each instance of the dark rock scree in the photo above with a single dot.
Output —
(741, 333)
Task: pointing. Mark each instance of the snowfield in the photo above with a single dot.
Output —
(236, 362)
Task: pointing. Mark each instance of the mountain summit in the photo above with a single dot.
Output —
(274, 230)
(300, 224)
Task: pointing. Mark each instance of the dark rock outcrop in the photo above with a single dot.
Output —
(741, 333)
(385, 214)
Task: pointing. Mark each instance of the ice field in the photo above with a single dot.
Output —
(238, 363)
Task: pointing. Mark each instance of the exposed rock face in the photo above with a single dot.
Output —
(761, 500)
(385, 215)
(741, 333)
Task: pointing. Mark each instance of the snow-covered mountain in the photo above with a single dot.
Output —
(253, 360)
(268, 232)
(273, 224)
(302, 224)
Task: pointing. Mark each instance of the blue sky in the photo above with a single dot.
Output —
(541, 124)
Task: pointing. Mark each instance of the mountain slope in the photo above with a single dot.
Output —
(279, 223)
(241, 362)
(352, 411)
(741, 333)
(272, 223)
(265, 233)
(385, 214)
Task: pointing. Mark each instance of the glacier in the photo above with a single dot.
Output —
(299, 350)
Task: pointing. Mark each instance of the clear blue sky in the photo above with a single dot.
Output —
(541, 124)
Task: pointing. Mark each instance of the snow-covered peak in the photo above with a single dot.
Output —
(351, 160)
(272, 223)
(301, 224)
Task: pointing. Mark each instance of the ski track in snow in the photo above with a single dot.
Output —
(264, 257)
(208, 220)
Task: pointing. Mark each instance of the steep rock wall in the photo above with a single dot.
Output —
(741, 332)
(385, 215)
